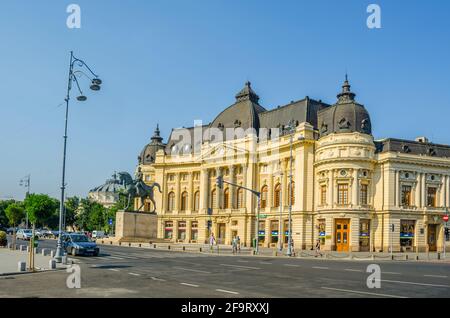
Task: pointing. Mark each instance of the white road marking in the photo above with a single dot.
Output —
(363, 293)
(113, 269)
(239, 266)
(320, 267)
(192, 270)
(158, 279)
(265, 263)
(134, 274)
(191, 285)
(437, 276)
(391, 273)
(291, 265)
(240, 261)
(227, 291)
(353, 270)
(113, 257)
(413, 283)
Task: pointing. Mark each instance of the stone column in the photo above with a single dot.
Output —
(244, 183)
(424, 190)
(191, 192)
(330, 188)
(355, 188)
(204, 191)
(218, 190)
(270, 185)
(178, 193)
(232, 191)
(284, 199)
(398, 190)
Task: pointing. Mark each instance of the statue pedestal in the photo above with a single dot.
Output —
(136, 226)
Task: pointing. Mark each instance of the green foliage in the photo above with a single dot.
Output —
(3, 218)
(71, 206)
(15, 213)
(40, 208)
(2, 235)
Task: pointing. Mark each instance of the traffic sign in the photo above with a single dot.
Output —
(110, 221)
(445, 218)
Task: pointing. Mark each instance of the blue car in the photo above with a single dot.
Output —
(79, 244)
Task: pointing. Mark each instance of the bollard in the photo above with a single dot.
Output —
(120, 243)
(373, 257)
(417, 257)
(168, 247)
(28, 249)
(43, 252)
(406, 257)
(103, 242)
(275, 253)
(154, 245)
(140, 245)
(52, 253)
(129, 244)
(21, 266)
(9, 246)
(200, 249)
(184, 248)
(110, 242)
(52, 264)
(64, 260)
(439, 255)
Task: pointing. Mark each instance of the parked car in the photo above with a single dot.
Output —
(24, 234)
(98, 234)
(79, 244)
(10, 230)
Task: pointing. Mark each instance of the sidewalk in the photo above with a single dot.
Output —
(9, 260)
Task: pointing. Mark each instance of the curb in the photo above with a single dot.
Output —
(30, 273)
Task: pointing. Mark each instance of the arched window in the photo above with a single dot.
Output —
(184, 201)
(240, 198)
(264, 191)
(277, 195)
(213, 199)
(292, 193)
(196, 201)
(171, 202)
(226, 198)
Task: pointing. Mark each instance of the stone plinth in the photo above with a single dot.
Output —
(135, 226)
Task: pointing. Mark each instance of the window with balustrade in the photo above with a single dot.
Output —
(323, 195)
(363, 198)
(406, 195)
(277, 195)
(171, 202)
(264, 191)
(431, 197)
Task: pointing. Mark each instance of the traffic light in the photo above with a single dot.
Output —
(219, 182)
(209, 224)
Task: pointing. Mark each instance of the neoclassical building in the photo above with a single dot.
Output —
(352, 192)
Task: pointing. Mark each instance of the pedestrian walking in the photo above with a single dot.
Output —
(238, 241)
(212, 240)
(318, 248)
(234, 245)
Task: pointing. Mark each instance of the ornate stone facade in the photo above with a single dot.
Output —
(347, 191)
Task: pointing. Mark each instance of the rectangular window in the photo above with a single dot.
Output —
(407, 230)
(323, 195)
(363, 194)
(262, 231)
(343, 194)
(274, 230)
(431, 197)
(194, 230)
(182, 230)
(406, 195)
(168, 230)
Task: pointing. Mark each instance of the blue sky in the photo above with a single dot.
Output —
(174, 61)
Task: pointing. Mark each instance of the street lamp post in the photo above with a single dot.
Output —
(95, 86)
(25, 182)
(280, 225)
(290, 128)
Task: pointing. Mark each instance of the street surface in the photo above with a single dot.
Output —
(141, 272)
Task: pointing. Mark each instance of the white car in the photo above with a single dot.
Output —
(23, 234)
(98, 234)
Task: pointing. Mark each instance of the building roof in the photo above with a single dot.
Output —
(345, 116)
(412, 147)
(148, 154)
(115, 184)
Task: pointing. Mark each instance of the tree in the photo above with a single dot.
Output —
(15, 213)
(71, 205)
(40, 208)
(4, 221)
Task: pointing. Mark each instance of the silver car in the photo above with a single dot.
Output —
(24, 234)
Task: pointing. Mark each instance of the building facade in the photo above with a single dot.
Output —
(348, 190)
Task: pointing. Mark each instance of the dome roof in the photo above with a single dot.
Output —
(114, 185)
(243, 113)
(148, 154)
(345, 116)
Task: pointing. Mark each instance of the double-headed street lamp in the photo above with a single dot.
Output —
(95, 86)
(25, 182)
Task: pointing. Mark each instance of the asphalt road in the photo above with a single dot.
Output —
(139, 272)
